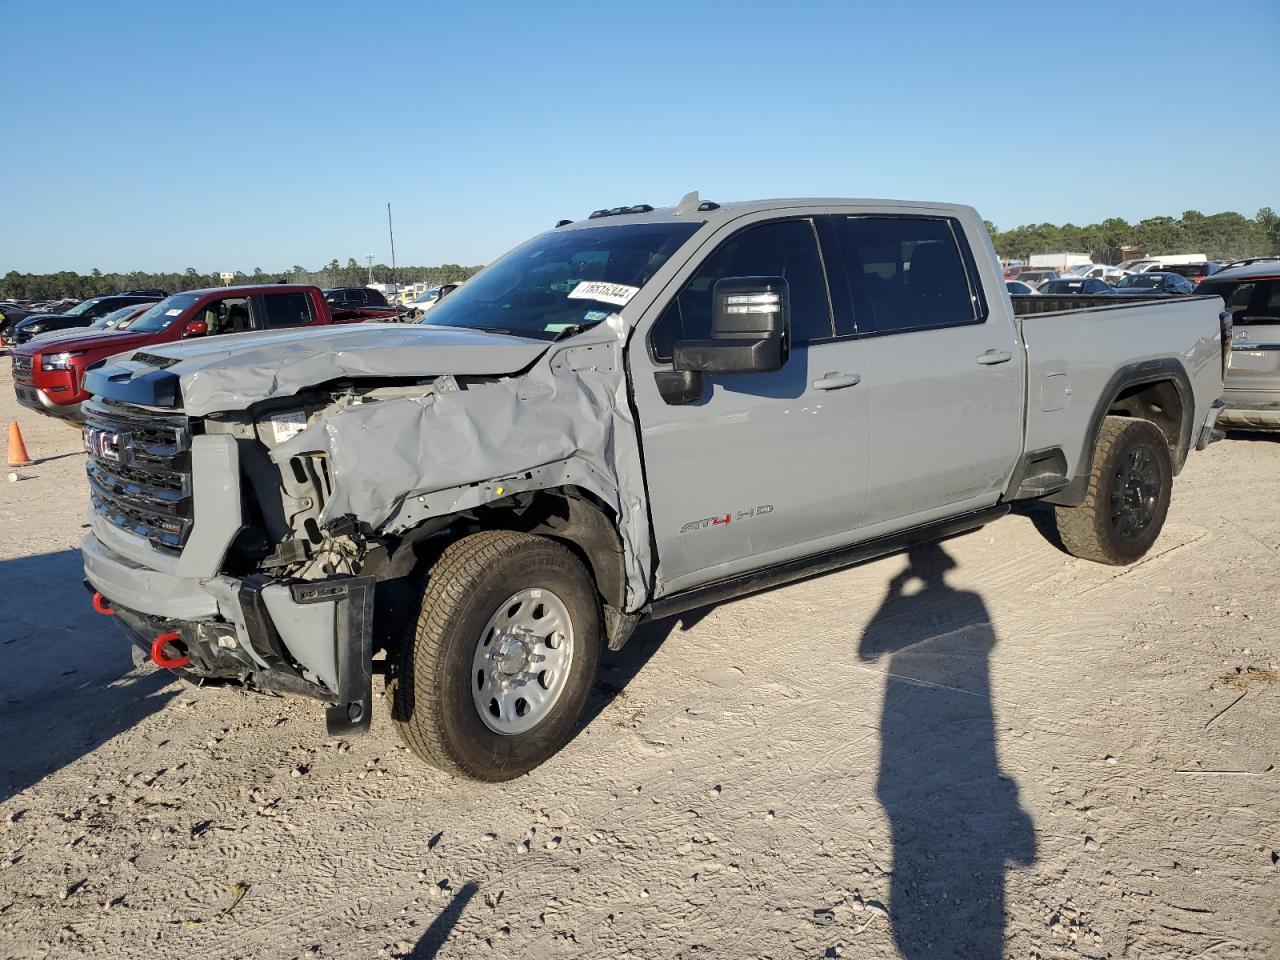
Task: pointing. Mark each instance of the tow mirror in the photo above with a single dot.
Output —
(195, 328)
(750, 333)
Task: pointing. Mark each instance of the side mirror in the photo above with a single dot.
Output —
(750, 333)
(195, 328)
(750, 321)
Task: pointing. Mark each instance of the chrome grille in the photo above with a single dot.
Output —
(21, 367)
(139, 470)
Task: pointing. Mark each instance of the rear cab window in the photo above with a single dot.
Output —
(285, 309)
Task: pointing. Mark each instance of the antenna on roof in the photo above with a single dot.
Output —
(688, 203)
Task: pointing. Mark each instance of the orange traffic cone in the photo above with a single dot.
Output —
(17, 449)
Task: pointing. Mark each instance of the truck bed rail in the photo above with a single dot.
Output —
(1027, 304)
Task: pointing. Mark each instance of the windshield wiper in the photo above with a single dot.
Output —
(574, 329)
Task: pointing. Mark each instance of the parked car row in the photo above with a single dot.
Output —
(81, 315)
(1192, 270)
(1135, 284)
(49, 372)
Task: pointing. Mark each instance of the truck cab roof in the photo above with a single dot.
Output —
(691, 209)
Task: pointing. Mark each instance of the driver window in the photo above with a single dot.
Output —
(782, 248)
(226, 316)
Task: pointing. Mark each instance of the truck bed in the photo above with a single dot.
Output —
(1076, 345)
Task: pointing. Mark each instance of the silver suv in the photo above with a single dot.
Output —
(1252, 295)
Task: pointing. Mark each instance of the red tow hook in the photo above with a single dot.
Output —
(160, 659)
(102, 605)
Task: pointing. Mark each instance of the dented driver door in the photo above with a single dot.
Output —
(764, 467)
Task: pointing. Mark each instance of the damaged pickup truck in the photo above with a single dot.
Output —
(629, 416)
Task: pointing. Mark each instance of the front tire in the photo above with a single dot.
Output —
(494, 676)
(1130, 486)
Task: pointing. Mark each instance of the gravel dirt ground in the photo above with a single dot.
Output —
(988, 750)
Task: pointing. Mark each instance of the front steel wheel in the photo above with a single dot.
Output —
(522, 661)
(493, 678)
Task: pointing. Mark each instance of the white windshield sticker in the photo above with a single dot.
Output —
(172, 313)
(286, 426)
(615, 293)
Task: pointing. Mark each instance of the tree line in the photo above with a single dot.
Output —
(1219, 236)
(70, 285)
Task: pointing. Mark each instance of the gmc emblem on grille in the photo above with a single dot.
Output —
(107, 444)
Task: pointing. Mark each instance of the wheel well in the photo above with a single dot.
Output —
(586, 526)
(569, 515)
(1161, 403)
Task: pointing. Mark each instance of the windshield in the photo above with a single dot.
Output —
(113, 318)
(163, 313)
(80, 308)
(1141, 281)
(562, 281)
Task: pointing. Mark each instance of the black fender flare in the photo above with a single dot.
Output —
(1131, 375)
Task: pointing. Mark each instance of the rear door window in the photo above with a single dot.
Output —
(291, 309)
(908, 273)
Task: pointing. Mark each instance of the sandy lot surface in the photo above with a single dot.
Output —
(1019, 754)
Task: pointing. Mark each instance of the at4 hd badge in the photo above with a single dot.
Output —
(728, 518)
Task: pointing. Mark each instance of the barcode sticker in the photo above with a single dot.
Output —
(286, 426)
(598, 290)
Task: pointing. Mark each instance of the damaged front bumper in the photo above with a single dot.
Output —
(310, 638)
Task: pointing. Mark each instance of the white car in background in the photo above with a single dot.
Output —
(1017, 288)
(1099, 271)
(423, 302)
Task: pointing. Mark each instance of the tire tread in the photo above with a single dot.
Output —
(1079, 527)
(450, 582)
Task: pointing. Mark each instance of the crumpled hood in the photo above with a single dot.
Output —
(234, 371)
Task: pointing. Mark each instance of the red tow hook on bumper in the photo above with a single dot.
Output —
(160, 659)
(102, 605)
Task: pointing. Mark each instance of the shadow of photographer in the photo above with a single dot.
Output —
(955, 817)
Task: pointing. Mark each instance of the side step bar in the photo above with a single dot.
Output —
(818, 564)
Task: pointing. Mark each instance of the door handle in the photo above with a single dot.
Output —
(837, 381)
(994, 356)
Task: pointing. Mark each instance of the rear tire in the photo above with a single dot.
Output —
(477, 653)
(1130, 485)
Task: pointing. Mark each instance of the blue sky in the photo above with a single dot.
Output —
(164, 135)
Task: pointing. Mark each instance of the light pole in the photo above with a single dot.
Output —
(369, 257)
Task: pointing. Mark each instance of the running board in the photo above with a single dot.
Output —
(819, 563)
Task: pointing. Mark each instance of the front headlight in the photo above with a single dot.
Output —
(57, 361)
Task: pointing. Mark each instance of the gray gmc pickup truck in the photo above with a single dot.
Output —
(631, 415)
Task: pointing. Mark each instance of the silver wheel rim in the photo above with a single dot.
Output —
(522, 661)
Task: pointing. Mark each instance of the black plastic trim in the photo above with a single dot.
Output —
(353, 646)
(817, 564)
(1132, 375)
